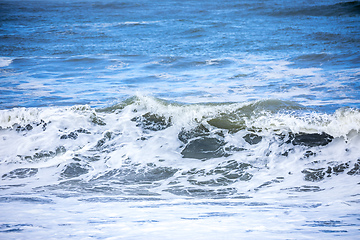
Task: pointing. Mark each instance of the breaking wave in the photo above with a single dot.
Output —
(150, 146)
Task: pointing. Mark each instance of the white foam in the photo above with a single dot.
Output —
(18, 116)
(339, 124)
(5, 61)
(125, 143)
(274, 208)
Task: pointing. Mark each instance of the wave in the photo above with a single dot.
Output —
(270, 114)
(315, 57)
(4, 61)
(351, 8)
(114, 5)
(152, 146)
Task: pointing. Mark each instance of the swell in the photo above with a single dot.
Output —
(351, 8)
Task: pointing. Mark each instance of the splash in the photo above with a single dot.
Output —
(155, 147)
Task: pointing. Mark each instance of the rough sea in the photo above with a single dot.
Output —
(172, 119)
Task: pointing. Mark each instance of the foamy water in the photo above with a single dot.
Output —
(164, 165)
(179, 120)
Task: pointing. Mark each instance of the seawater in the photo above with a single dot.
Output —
(179, 119)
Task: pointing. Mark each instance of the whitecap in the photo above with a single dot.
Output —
(5, 61)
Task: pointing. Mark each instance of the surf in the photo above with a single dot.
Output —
(160, 146)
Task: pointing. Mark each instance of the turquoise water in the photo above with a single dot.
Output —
(179, 119)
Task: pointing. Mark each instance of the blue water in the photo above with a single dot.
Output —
(101, 52)
(179, 119)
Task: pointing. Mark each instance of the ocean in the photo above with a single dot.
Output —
(178, 119)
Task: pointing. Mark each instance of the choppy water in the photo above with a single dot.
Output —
(179, 119)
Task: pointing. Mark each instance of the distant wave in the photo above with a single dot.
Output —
(4, 61)
(338, 9)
